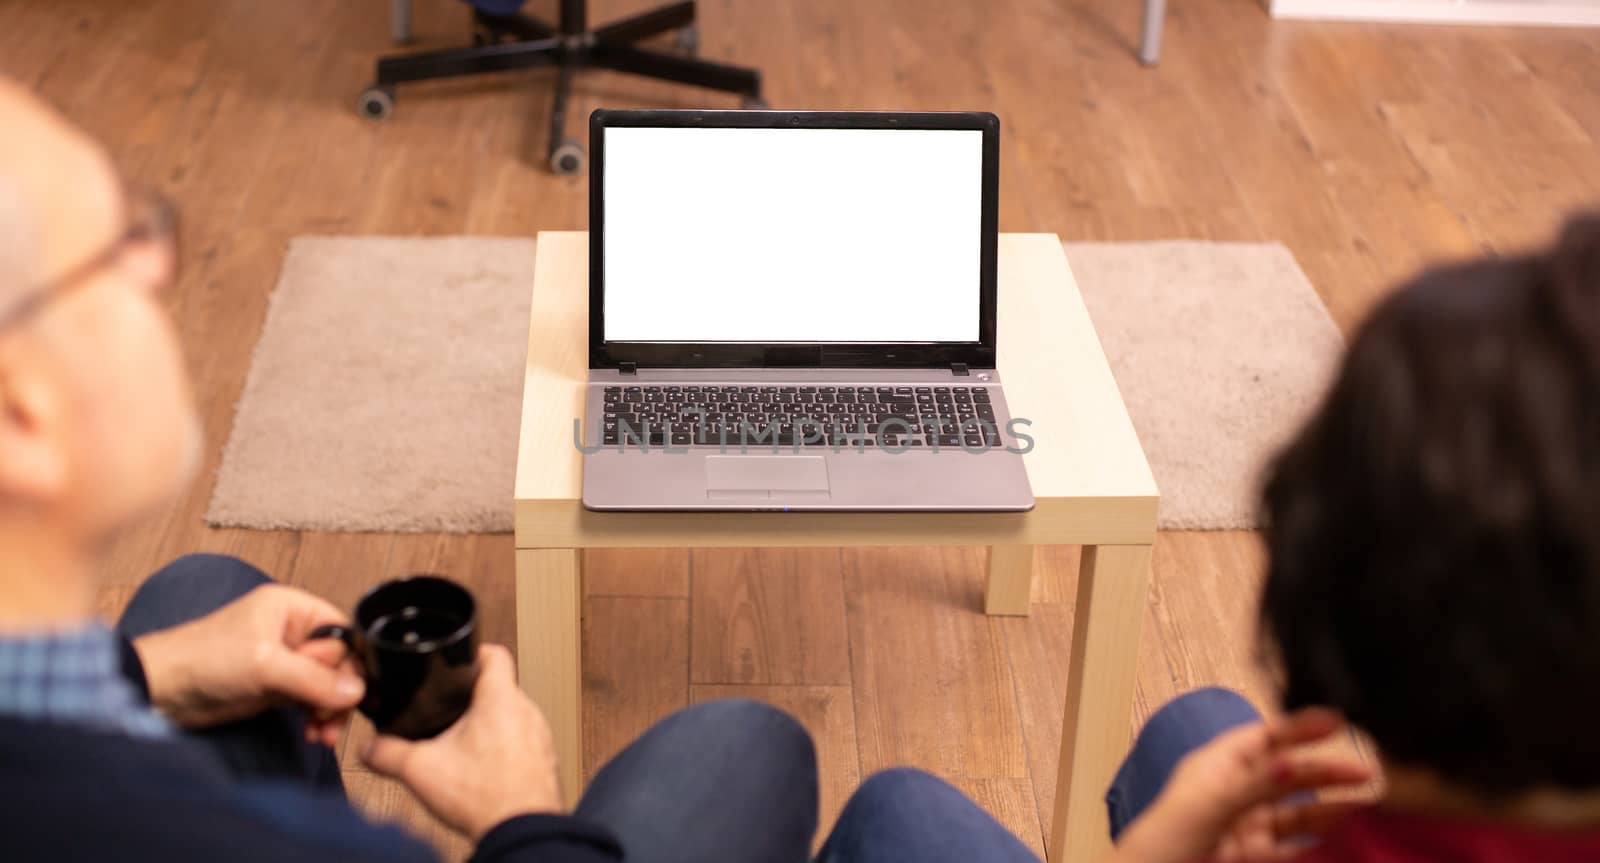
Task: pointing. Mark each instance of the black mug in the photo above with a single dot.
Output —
(415, 640)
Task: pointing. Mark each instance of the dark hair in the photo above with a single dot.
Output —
(1434, 531)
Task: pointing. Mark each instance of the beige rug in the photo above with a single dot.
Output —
(386, 388)
(1220, 350)
(385, 391)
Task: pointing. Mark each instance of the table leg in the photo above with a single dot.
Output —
(1010, 580)
(549, 593)
(400, 21)
(1112, 583)
(1155, 15)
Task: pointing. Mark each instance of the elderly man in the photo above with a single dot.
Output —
(200, 729)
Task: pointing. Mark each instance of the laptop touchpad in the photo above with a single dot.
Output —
(766, 473)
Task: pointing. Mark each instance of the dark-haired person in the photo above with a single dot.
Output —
(1433, 574)
(1433, 535)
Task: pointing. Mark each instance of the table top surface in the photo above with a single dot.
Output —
(1050, 364)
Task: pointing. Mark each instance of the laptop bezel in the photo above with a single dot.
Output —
(643, 354)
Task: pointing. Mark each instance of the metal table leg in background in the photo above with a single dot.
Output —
(400, 20)
(1155, 15)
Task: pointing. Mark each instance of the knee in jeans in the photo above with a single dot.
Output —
(186, 589)
(738, 715)
(897, 784)
(211, 567)
(750, 723)
(1202, 713)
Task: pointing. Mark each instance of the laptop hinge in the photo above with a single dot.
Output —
(627, 368)
(959, 369)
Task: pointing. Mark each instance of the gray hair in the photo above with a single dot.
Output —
(18, 249)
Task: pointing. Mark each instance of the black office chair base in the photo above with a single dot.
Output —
(502, 43)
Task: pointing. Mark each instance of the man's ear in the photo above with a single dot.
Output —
(33, 452)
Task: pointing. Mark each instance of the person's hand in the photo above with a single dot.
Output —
(1225, 801)
(496, 762)
(249, 655)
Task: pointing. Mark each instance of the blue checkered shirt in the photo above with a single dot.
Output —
(73, 677)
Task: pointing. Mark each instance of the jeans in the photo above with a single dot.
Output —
(901, 816)
(1183, 725)
(720, 781)
(907, 816)
(726, 780)
(270, 745)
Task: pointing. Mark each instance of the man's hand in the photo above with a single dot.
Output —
(249, 655)
(1225, 800)
(496, 762)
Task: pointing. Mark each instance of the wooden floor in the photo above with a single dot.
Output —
(1366, 149)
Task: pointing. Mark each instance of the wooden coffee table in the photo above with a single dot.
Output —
(1088, 473)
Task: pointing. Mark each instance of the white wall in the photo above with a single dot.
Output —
(1577, 13)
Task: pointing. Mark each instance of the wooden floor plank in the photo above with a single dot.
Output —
(1055, 572)
(932, 684)
(341, 566)
(636, 572)
(1011, 803)
(769, 616)
(635, 669)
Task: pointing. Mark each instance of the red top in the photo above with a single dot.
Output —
(1379, 836)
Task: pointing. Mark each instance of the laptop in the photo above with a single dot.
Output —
(795, 311)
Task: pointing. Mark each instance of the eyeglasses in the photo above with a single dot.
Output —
(152, 224)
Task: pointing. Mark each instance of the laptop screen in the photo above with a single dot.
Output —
(792, 235)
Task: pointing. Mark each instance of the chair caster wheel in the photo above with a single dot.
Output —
(376, 102)
(754, 103)
(688, 40)
(567, 158)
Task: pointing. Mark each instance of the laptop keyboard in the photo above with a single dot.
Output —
(840, 416)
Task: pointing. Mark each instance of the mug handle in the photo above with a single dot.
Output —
(352, 642)
(334, 630)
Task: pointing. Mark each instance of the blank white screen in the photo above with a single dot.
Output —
(792, 235)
